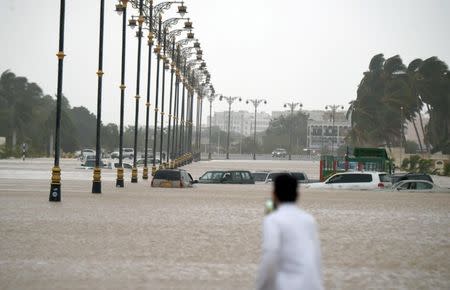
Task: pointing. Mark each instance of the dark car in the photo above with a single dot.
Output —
(171, 178)
(227, 176)
(410, 176)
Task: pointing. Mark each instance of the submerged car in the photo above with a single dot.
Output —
(279, 152)
(395, 178)
(418, 186)
(274, 174)
(354, 180)
(172, 178)
(227, 176)
(300, 176)
(260, 176)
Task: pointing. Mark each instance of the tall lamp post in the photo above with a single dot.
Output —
(333, 108)
(230, 101)
(140, 20)
(121, 8)
(211, 99)
(55, 186)
(96, 182)
(255, 103)
(291, 107)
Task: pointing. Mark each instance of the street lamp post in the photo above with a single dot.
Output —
(55, 186)
(157, 50)
(333, 108)
(140, 20)
(230, 101)
(162, 164)
(96, 182)
(256, 103)
(147, 103)
(211, 99)
(121, 8)
(292, 107)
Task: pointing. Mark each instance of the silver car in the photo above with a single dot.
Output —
(418, 186)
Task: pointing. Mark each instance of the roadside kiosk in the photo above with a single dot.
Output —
(363, 159)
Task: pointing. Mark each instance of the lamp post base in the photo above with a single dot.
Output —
(145, 173)
(96, 182)
(119, 180)
(153, 170)
(134, 175)
(55, 186)
(55, 192)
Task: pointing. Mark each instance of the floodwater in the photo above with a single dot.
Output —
(207, 237)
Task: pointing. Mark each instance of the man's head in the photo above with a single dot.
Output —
(285, 188)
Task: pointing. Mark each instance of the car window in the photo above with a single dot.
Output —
(423, 185)
(298, 175)
(259, 176)
(405, 185)
(246, 175)
(167, 175)
(353, 178)
(274, 175)
(226, 176)
(384, 178)
(207, 176)
(236, 176)
(335, 179)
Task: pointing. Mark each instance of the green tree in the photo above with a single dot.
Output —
(280, 129)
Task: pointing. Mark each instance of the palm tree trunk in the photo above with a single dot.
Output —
(423, 131)
(417, 134)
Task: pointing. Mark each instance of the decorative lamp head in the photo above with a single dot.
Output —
(132, 23)
(182, 9)
(120, 8)
(188, 25)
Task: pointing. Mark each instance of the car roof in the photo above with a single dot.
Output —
(415, 180)
(361, 172)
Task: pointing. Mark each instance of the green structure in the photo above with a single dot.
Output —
(363, 159)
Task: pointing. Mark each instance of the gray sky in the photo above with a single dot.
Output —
(313, 52)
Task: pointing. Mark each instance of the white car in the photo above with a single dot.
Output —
(354, 180)
(85, 153)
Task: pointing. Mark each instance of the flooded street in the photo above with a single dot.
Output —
(207, 237)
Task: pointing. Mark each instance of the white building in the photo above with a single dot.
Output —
(322, 134)
(241, 122)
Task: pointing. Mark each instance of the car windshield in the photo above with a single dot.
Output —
(259, 176)
(167, 175)
(212, 175)
(298, 175)
(384, 178)
(274, 175)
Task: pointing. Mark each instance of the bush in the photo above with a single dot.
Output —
(405, 164)
(425, 165)
(447, 169)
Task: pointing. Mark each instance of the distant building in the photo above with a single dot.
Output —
(241, 122)
(321, 132)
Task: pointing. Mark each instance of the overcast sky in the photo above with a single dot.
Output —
(313, 52)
